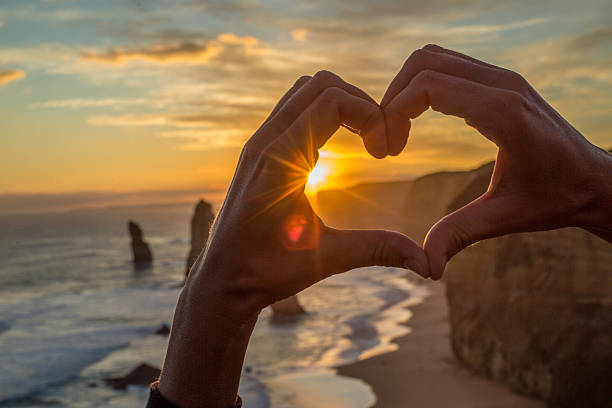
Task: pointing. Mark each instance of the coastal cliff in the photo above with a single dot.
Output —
(533, 310)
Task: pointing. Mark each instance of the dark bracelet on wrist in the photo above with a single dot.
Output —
(156, 400)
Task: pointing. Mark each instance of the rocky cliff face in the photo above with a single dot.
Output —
(201, 221)
(535, 310)
(367, 205)
(141, 253)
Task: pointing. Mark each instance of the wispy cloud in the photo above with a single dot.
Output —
(187, 52)
(10, 76)
(99, 103)
(190, 53)
(205, 139)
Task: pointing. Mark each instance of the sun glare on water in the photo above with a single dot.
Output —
(317, 178)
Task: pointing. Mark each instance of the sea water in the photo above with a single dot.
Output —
(74, 311)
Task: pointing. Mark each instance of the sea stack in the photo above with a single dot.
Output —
(143, 374)
(289, 307)
(202, 220)
(141, 253)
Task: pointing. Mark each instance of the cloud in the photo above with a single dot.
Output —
(299, 34)
(187, 52)
(98, 103)
(190, 53)
(10, 76)
(205, 139)
(233, 39)
(590, 39)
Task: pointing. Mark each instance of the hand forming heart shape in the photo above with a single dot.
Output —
(267, 243)
(284, 247)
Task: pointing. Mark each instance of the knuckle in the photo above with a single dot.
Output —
(432, 47)
(302, 80)
(416, 58)
(382, 252)
(250, 149)
(516, 81)
(328, 99)
(518, 105)
(325, 76)
(510, 102)
(459, 237)
(331, 93)
(425, 76)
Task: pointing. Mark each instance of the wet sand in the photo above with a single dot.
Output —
(423, 372)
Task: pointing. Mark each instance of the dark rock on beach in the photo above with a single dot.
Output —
(163, 330)
(202, 220)
(289, 307)
(144, 374)
(141, 253)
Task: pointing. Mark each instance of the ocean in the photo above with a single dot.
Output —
(74, 311)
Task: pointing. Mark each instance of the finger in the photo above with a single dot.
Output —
(349, 249)
(301, 99)
(334, 107)
(485, 217)
(437, 59)
(510, 79)
(437, 48)
(297, 85)
(494, 112)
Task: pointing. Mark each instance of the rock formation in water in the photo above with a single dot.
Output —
(201, 221)
(144, 374)
(141, 253)
(535, 310)
(289, 307)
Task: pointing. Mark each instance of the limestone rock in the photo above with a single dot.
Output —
(144, 374)
(366, 205)
(141, 253)
(535, 311)
(288, 307)
(201, 221)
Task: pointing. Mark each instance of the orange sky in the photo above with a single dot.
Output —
(143, 96)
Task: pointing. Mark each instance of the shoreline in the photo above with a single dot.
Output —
(423, 371)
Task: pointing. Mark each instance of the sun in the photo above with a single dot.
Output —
(317, 178)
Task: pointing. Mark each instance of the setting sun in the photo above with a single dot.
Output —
(317, 178)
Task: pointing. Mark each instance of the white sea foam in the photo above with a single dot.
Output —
(74, 311)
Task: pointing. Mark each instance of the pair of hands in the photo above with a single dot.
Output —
(267, 234)
(267, 243)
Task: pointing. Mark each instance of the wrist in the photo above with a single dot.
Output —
(596, 214)
(207, 344)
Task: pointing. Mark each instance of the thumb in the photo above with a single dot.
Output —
(349, 249)
(485, 217)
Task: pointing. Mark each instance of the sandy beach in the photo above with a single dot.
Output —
(423, 372)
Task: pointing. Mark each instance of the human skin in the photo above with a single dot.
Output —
(267, 243)
(546, 176)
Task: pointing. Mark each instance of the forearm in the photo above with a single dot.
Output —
(205, 351)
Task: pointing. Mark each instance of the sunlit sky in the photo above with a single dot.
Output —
(160, 95)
